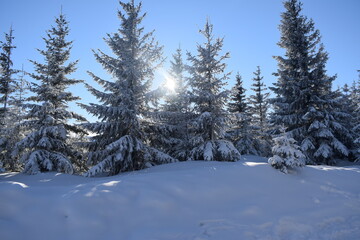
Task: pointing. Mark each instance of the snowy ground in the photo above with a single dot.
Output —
(188, 200)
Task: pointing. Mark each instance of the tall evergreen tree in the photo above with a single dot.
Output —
(8, 85)
(208, 77)
(14, 131)
(119, 143)
(259, 102)
(47, 146)
(22, 88)
(355, 96)
(258, 107)
(172, 133)
(241, 132)
(348, 107)
(7, 79)
(304, 101)
(177, 101)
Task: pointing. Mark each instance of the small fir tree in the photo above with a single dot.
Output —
(47, 146)
(120, 141)
(287, 155)
(210, 122)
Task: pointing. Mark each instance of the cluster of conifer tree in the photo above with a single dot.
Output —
(309, 122)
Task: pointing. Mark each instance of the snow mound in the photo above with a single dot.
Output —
(186, 200)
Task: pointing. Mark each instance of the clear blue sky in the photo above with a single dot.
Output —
(250, 29)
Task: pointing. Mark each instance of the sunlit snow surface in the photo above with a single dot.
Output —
(188, 200)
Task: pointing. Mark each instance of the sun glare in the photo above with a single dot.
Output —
(170, 83)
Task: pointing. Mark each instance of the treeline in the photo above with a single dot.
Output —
(306, 122)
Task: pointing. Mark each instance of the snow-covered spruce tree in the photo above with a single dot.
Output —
(47, 146)
(7, 79)
(259, 102)
(8, 85)
(304, 102)
(241, 132)
(77, 141)
(355, 97)
(14, 131)
(171, 134)
(286, 153)
(258, 108)
(348, 106)
(177, 101)
(210, 122)
(120, 143)
(22, 88)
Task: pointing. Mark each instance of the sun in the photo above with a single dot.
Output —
(167, 81)
(170, 83)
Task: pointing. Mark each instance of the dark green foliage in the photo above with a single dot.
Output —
(304, 102)
(241, 132)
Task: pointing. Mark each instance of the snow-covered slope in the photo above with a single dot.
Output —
(187, 200)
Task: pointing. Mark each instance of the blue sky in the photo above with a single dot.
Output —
(249, 28)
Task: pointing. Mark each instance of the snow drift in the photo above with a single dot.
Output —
(187, 200)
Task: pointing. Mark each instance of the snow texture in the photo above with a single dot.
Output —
(185, 201)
